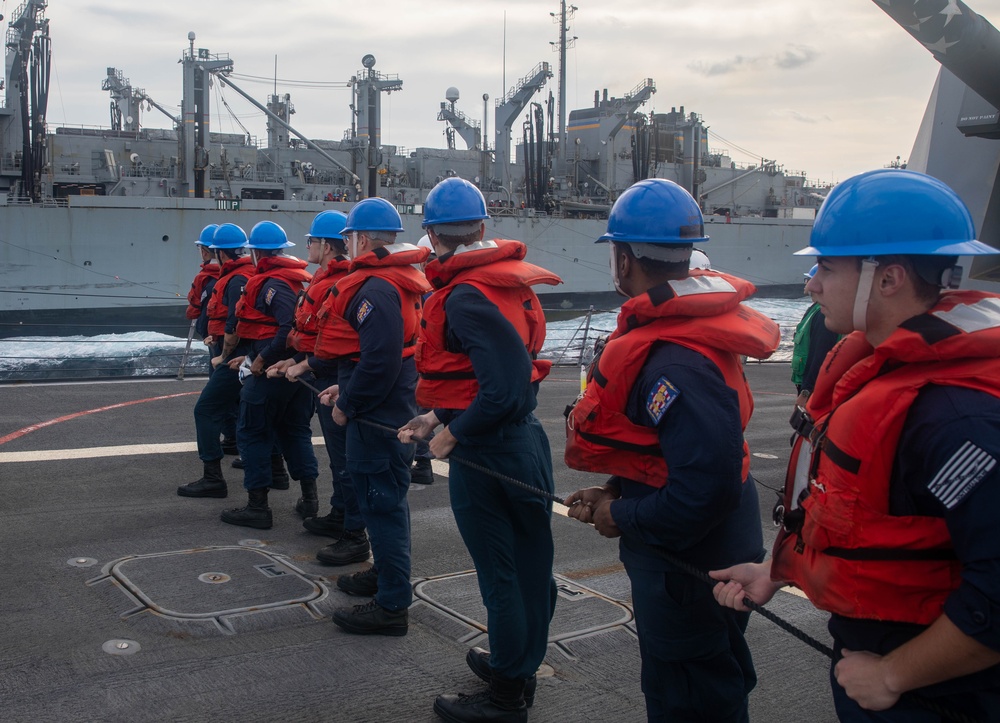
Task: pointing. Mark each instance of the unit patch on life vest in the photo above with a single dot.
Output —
(660, 398)
(268, 297)
(364, 310)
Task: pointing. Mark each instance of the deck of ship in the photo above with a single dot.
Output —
(123, 601)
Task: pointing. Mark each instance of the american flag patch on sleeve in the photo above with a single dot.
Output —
(960, 474)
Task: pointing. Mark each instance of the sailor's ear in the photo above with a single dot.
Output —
(892, 278)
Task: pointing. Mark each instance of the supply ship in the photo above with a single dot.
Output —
(97, 224)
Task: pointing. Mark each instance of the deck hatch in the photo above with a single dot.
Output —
(242, 581)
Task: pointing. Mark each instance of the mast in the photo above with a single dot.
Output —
(565, 14)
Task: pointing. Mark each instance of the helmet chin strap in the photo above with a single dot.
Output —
(864, 293)
(614, 269)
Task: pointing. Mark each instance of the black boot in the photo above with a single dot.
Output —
(211, 484)
(478, 661)
(502, 703)
(421, 472)
(373, 619)
(362, 584)
(330, 526)
(352, 547)
(308, 504)
(279, 477)
(256, 514)
(238, 463)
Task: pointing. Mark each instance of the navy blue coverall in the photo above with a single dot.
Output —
(344, 498)
(950, 443)
(274, 411)
(696, 664)
(381, 387)
(506, 529)
(221, 395)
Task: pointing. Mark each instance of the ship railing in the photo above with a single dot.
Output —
(47, 202)
(645, 83)
(38, 357)
(34, 356)
(542, 67)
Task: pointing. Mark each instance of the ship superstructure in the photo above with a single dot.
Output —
(103, 218)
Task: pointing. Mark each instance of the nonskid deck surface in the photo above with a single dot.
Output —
(123, 601)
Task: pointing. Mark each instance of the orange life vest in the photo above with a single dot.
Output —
(335, 337)
(497, 270)
(303, 336)
(703, 313)
(254, 324)
(843, 548)
(209, 270)
(218, 312)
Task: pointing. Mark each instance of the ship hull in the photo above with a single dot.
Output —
(116, 264)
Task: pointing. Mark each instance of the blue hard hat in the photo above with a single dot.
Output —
(229, 236)
(328, 224)
(454, 200)
(206, 235)
(268, 235)
(656, 211)
(373, 214)
(811, 272)
(892, 211)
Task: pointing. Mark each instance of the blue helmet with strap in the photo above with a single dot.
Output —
(268, 235)
(373, 214)
(207, 235)
(229, 236)
(454, 200)
(892, 211)
(328, 224)
(656, 211)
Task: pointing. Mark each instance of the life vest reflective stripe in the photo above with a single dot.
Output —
(496, 269)
(846, 551)
(703, 313)
(335, 337)
(303, 336)
(196, 295)
(252, 323)
(218, 312)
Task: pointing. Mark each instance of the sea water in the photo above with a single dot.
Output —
(136, 354)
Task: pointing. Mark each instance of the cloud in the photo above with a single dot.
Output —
(723, 67)
(795, 56)
(800, 117)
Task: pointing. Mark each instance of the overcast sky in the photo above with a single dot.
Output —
(830, 87)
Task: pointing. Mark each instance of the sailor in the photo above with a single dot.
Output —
(894, 531)
(326, 247)
(477, 355)
(371, 328)
(204, 281)
(664, 411)
(221, 393)
(811, 343)
(272, 411)
(197, 312)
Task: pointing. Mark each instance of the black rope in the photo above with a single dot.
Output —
(683, 566)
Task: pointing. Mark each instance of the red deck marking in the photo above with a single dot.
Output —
(66, 418)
